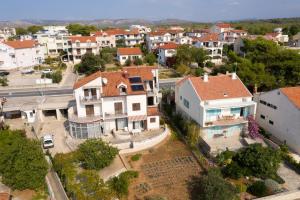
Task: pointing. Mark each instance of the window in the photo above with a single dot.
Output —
(262, 116)
(118, 108)
(152, 120)
(124, 58)
(89, 110)
(271, 122)
(186, 103)
(136, 106)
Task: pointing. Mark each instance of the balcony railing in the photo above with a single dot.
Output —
(115, 115)
(226, 120)
(88, 119)
(90, 99)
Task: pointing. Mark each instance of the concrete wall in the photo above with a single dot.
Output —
(286, 118)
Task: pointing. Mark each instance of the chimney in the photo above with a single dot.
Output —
(233, 75)
(205, 77)
(125, 74)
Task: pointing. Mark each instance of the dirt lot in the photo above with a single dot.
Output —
(164, 171)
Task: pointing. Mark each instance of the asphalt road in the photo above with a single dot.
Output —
(27, 93)
(163, 83)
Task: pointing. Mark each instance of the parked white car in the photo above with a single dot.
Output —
(47, 141)
(27, 71)
(47, 71)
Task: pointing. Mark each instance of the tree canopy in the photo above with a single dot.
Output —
(90, 63)
(85, 30)
(96, 154)
(186, 54)
(22, 162)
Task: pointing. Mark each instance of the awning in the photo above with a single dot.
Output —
(137, 118)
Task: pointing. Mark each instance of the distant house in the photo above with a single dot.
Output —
(213, 45)
(156, 39)
(277, 37)
(229, 37)
(81, 45)
(104, 39)
(219, 104)
(296, 40)
(278, 112)
(197, 33)
(20, 53)
(130, 37)
(221, 27)
(128, 53)
(166, 51)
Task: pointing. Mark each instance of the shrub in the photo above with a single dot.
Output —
(233, 170)
(150, 59)
(128, 62)
(258, 189)
(241, 187)
(138, 61)
(56, 76)
(136, 157)
(96, 154)
(225, 157)
(4, 81)
(161, 121)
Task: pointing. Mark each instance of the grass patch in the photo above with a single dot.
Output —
(136, 157)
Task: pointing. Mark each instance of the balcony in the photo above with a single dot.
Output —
(89, 119)
(90, 99)
(226, 121)
(115, 115)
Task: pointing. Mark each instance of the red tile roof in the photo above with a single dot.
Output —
(122, 32)
(4, 196)
(21, 44)
(223, 25)
(83, 39)
(118, 77)
(152, 111)
(211, 37)
(293, 94)
(170, 45)
(219, 87)
(99, 33)
(129, 51)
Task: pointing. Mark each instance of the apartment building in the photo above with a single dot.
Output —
(20, 54)
(156, 39)
(104, 39)
(124, 54)
(130, 37)
(6, 32)
(278, 113)
(197, 33)
(81, 45)
(219, 104)
(115, 102)
(213, 45)
(220, 28)
(229, 37)
(166, 51)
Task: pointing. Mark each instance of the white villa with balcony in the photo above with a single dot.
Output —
(121, 102)
(219, 104)
(213, 45)
(81, 45)
(166, 51)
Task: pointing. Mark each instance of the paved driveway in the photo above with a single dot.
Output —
(292, 179)
(57, 129)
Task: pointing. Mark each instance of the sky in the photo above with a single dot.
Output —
(194, 10)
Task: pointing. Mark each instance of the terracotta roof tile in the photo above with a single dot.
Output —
(21, 44)
(223, 25)
(130, 51)
(170, 45)
(209, 37)
(4, 196)
(83, 39)
(115, 78)
(293, 94)
(219, 87)
(152, 111)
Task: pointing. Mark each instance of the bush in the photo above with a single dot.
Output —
(224, 158)
(138, 61)
(4, 81)
(233, 170)
(258, 189)
(136, 157)
(182, 69)
(96, 154)
(161, 121)
(241, 187)
(150, 59)
(56, 76)
(128, 62)
(62, 65)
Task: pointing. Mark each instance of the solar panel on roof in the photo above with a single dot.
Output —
(137, 87)
(136, 79)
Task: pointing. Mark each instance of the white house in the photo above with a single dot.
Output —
(184, 40)
(15, 54)
(130, 37)
(166, 51)
(115, 102)
(81, 45)
(197, 33)
(220, 28)
(231, 36)
(156, 39)
(124, 54)
(219, 104)
(278, 112)
(104, 39)
(213, 45)
(277, 37)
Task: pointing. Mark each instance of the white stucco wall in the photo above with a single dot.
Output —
(286, 118)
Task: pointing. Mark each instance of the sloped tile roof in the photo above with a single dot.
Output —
(21, 44)
(130, 51)
(293, 94)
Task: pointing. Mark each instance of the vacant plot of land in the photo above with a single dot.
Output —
(164, 171)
